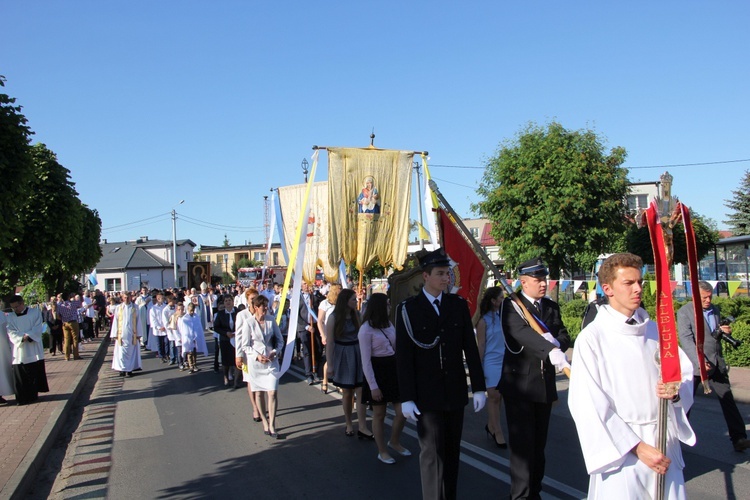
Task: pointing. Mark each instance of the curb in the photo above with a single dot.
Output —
(22, 480)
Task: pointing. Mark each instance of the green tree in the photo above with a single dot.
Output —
(555, 193)
(638, 241)
(59, 235)
(15, 172)
(739, 220)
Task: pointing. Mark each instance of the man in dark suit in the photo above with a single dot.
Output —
(718, 372)
(433, 334)
(305, 334)
(528, 379)
(224, 325)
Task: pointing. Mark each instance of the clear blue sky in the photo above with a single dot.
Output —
(148, 103)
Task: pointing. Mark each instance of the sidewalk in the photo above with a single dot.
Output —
(28, 432)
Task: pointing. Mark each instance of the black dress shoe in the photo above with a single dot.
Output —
(741, 444)
(362, 435)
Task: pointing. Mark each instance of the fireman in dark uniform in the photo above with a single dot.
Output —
(528, 379)
(433, 333)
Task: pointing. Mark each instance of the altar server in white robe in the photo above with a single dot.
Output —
(157, 341)
(614, 394)
(127, 329)
(25, 327)
(193, 339)
(175, 343)
(6, 362)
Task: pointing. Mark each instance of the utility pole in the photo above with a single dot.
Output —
(174, 242)
(266, 219)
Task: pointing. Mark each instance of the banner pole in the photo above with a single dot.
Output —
(530, 319)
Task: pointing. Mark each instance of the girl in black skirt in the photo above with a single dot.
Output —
(377, 343)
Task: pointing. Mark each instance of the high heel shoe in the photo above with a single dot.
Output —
(324, 388)
(499, 445)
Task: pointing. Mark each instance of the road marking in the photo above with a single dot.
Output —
(410, 430)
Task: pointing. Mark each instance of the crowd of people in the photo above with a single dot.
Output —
(418, 365)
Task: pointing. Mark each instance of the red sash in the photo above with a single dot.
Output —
(692, 254)
(668, 345)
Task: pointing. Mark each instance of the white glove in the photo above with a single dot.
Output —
(558, 358)
(480, 399)
(410, 410)
(552, 340)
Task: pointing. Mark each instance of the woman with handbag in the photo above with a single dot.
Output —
(377, 343)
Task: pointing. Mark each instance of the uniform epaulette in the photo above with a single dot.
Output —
(409, 299)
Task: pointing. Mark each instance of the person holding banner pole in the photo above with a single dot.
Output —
(306, 335)
(615, 389)
(528, 376)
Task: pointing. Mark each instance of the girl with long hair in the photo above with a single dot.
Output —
(345, 360)
(377, 343)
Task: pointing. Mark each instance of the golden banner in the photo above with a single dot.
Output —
(369, 198)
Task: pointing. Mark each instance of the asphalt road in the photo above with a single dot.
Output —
(176, 435)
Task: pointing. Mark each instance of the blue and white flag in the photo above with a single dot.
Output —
(92, 278)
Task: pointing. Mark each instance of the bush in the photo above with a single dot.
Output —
(573, 324)
(741, 356)
(573, 308)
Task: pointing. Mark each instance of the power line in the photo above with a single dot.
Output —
(212, 224)
(454, 183)
(216, 228)
(691, 164)
(430, 165)
(629, 168)
(134, 222)
(113, 230)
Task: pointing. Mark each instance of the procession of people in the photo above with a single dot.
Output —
(418, 364)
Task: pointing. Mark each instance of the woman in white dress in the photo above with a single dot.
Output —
(261, 350)
(241, 340)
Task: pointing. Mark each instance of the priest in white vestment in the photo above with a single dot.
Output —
(127, 330)
(25, 328)
(614, 394)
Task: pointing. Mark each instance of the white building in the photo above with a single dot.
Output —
(126, 265)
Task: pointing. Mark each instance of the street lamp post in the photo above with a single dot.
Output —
(226, 258)
(304, 168)
(174, 242)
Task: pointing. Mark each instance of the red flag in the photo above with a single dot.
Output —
(468, 276)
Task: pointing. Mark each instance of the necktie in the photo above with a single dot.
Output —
(231, 323)
(436, 302)
(538, 307)
(631, 321)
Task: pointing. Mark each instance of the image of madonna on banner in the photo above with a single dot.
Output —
(369, 206)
